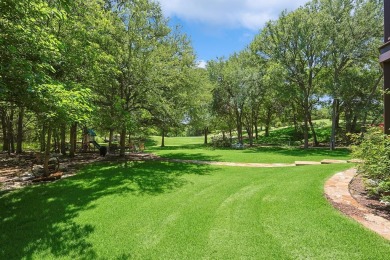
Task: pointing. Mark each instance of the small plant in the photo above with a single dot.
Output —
(374, 151)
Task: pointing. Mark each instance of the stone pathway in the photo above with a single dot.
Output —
(256, 165)
(337, 191)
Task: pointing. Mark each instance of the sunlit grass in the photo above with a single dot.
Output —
(177, 141)
(156, 210)
(192, 148)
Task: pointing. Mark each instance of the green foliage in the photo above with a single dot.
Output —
(326, 48)
(57, 104)
(27, 48)
(119, 66)
(374, 151)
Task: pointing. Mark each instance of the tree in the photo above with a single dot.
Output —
(275, 99)
(58, 105)
(26, 49)
(200, 113)
(173, 76)
(296, 42)
(353, 29)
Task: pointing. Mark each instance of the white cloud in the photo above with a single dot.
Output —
(249, 14)
(201, 64)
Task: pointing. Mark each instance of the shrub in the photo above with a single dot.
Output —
(220, 141)
(374, 151)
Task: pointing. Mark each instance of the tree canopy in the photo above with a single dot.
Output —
(118, 66)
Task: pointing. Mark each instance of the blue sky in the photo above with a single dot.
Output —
(218, 28)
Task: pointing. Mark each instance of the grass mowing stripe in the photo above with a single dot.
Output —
(157, 210)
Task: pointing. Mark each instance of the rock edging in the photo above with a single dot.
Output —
(337, 192)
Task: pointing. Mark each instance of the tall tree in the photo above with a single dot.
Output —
(26, 49)
(353, 29)
(297, 43)
(200, 113)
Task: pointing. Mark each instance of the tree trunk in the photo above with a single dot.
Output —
(268, 122)
(337, 113)
(334, 124)
(239, 125)
(206, 130)
(256, 124)
(353, 124)
(295, 117)
(123, 142)
(47, 151)
(266, 130)
(251, 125)
(250, 135)
(163, 138)
(4, 127)
(306, 122)
(19, 138)
(57, 140)
(73, 140)
(42, 137)
(63, 139)
(10, 132)
(348, 120)
(313, 131)
(306, 133)
(110, 138)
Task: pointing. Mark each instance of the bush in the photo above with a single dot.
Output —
(374, 151)
(220, 141)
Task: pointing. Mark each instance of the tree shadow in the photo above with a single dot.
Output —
(40, 220)
(192, 156)
(182, 147)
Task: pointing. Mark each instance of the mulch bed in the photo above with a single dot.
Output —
(359, 193)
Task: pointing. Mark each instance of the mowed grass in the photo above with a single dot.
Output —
(193, 149)
(161, 210)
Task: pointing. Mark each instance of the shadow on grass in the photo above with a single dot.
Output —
(182, 147)
(192, 156)
(340, 152)
(40, 221)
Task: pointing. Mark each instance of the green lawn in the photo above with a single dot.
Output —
(160, 210)
(193, 148)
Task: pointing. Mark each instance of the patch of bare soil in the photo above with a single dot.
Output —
(359, 193)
